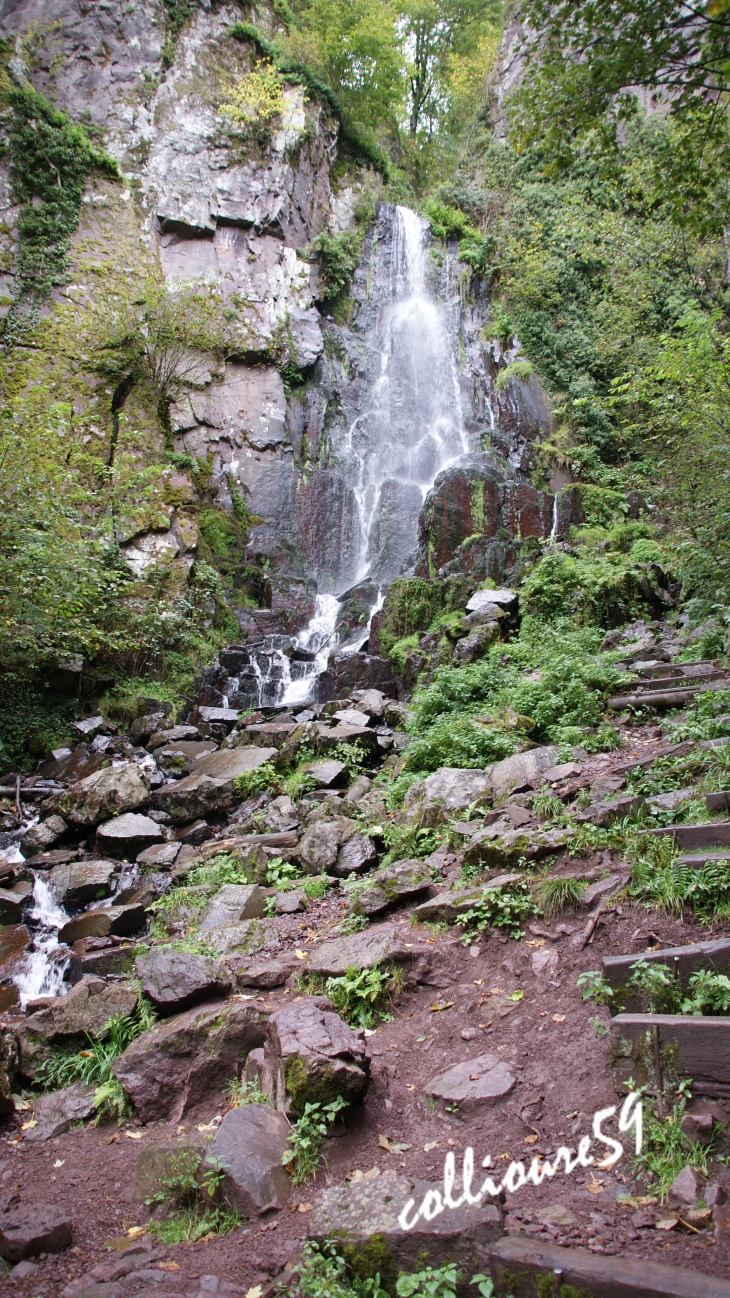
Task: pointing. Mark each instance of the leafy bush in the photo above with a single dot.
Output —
(361, 996)
(93, 1065)
(338, 255)
(667, 1149)
(661, 881)
(459, 741)
(324, 1273)
(257, 97)
(254, 781)
(505, 908)
(304, 1152)
(597, 590)
(439, 1282)
(353, 756)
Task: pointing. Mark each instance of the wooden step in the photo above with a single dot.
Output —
(718, 801)
(674, 750)
(683, 959)
(668, 698)
(715, 833)
(700, 858)
(523, 1266)
(689, 1046)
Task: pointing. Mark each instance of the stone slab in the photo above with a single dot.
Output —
(249, 1145)
(473, 1083)
(601, 1277)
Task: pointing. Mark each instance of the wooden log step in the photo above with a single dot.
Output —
(683, 959)
(689, 1046)
(654, 698)
(718, 801)
(525, 1268)
(700, 858)
(716, 833)
(681, 681)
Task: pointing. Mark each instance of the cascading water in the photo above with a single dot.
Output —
(40, 973)
(410, 427)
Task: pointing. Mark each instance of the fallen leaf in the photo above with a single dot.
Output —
(516, 995)
(255, 1291)
(530, 1140)
(501, 1157)
(558, 1018)
(536, 941)
(422, 1039)
(384, 1143)
(134, 1135)
(432, 1144)
(496, 991)
(26, 1126)
(544, 1014)
(474, 1077)
(305, 1207)
(205, 1238)
(301, 955)
(169, 1266)
(87, 1054)
(112, 1140)
(488, 1023)
(451, 1142)
(574, 1113)
(595, 1187)
(392, 1046)
(437, 1006)
(478, 982)
(409, 1087)
(59, 1162)
(666, 1223)
(134, 1231)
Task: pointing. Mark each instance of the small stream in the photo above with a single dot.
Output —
(40, 973)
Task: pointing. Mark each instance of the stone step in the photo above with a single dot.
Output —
(689, 1046)
(715, 833)
(522, 1266)
(684, 960)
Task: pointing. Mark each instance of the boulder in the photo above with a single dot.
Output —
(328, 737)
(249, 1146)
(12, 905)
(245, 938)
(14, 942)
(163, 854)
(327, 774)
(504, 599)
(256, 973)
(359, 950)
(143, 727)
(358, 789)
(9, 1065)
(107, 921)
(28, 1231)
(55, 1112)
(372, 703)
(291, 901)
(318, 846)
(90, 727)
(356, 855)
(176, 735)
(175, 980)
(500, 845)
(176, 1064)
(476, 644)
(281, 815)
(605, 813)
(523, 771)
(445, 795)
(351, 717)
(232, 903)
(454, 902)
(389, 886)
(69, 1020)
(81, 882)
(364, 1214)
(106, 793)
(211, 785)
(474, 1083)
(125, 836)
(41, 836)
(312, 1055)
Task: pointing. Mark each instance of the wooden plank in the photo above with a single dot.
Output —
(674, 750)
(699, 858)
(682, 959)
(655, 699)
(716, 833)
(534, 1265)
(718, 801)
(690, 1046)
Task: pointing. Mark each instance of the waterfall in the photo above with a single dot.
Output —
(411, 427)
(40, 973)
(317, 638)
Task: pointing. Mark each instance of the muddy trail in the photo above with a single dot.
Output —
(166, 879)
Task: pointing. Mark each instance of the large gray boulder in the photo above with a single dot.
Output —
(445, 795)
(523, 770)
(210, 786)
(55, 1112)
(81, 882)
(177, 1063)
(41, 836)
(106, 921)
(69, 1020)
(389, 886)
(29, 1230)
(125, 836)
(232, 903)
(244, 938)
(312, 1055)
(359, 950)
(175, 980)
(106, 793)
(356, 855)
(502, 846)
(364, 1214)
(319, 845)
(249, 1145)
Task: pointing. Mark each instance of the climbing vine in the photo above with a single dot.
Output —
(50, 160)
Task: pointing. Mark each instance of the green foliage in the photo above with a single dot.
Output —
(667, 1149)
(597, 590)
(411, 604)
(324, 1273)
(352, 924)
(50, 160)
(404, 841)
(439, 1282)
(279, 872)
(450, 223)
(504, 908)
(246, 1092)
(655, 986)
(338, 255)
(93, 1065)
(304, 1153)
(595, 987)
(315, 886)
(555, 896)
(191, 1224)
(353, 756)
(661, 881)
(709, 993)
(257, 98)
(257, 779)
(177, 13)
(362, 996)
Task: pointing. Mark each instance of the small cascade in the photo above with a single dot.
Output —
(42, 970)
(315, 644)
(554, 528)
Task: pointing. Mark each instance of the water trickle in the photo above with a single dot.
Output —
(42, 970)
(318, 638)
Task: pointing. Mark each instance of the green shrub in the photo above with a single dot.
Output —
(306, 1136)
(361, 996)
(93, 1065)
(596, 590)
(411, 605)
(254, 781)
(505, 908)
(338, 255)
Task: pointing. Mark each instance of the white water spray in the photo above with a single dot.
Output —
(40, 974)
